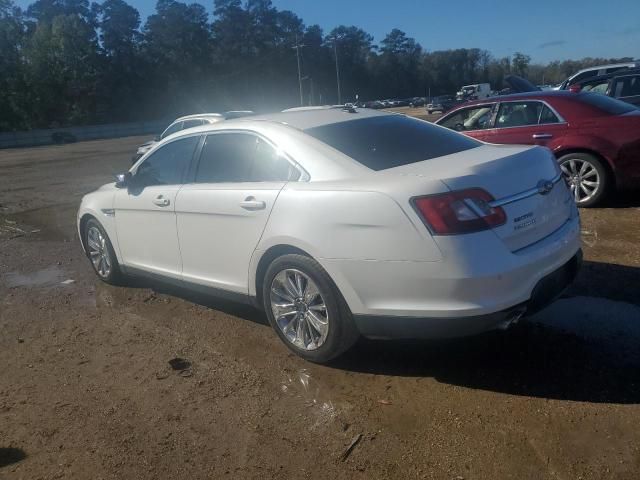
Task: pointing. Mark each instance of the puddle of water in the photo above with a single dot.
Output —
(41, 278)
(615, 326)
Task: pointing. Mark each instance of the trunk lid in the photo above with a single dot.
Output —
(513, 174)
(519, 84)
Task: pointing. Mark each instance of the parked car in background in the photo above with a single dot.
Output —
(374, 104)
(189, 121)
(417, 102)
(595, 138)
(178, 124)
(441, 103)
(623, 85)
(343, 223)
(596, 71)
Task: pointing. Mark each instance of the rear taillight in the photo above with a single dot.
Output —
(462, 211)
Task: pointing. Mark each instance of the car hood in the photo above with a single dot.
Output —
(520, 85)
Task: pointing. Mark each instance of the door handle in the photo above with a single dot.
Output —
(541, 136)
(161, 201)
(250, 203)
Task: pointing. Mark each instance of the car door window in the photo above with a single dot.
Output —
(241, 157)
(518, 114)
(627, 87)
(166, 165)
(597, 87)
(547, 116)
(176, 127)
(226, 157)
(473, 118)
(271, 166)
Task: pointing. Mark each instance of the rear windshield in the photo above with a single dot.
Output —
(391, 140)
(607, 104)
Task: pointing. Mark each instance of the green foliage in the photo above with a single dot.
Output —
(68, 62)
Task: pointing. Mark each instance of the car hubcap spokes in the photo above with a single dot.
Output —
(582, 178)
(98, 252)
(299, 309)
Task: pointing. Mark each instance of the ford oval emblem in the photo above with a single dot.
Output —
(545, 186)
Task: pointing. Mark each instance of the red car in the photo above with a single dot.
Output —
(595, 138)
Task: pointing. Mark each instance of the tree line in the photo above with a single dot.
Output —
(72, 62)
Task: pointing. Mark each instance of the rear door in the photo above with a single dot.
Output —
(526, 122)
(474, 121)
(222, 213)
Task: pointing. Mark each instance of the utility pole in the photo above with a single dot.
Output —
(335, 51)
(297, 48)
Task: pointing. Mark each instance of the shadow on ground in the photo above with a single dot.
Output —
(623, 199)
(584, 347)
(9, 456)
(580, 348)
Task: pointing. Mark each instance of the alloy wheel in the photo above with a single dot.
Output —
(99, 252)
(582, 177)
(299, 309)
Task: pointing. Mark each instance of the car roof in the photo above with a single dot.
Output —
(304, 119)
(608, 76)
(608, 65)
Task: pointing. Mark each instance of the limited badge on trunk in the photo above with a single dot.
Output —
(524, 221)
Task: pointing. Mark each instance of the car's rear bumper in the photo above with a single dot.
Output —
(545, 292)
(477, 281)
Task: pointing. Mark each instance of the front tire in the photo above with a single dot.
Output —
(586, 177)
(306, 309)
(101, 254)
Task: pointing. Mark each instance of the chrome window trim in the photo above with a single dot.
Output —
(304, 175)
(561, 119)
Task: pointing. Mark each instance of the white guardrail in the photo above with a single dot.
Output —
(50, 136)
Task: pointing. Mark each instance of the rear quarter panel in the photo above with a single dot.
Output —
(347, 224)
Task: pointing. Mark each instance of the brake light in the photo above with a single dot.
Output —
(462, 211)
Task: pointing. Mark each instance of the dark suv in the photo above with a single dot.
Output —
(623, 85)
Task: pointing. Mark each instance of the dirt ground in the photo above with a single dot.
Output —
(86, 390)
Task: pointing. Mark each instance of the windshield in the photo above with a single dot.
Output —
(391, 140)
(607, 104)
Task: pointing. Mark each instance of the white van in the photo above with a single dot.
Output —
(474, 92)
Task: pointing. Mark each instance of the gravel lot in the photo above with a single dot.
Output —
(87, 391)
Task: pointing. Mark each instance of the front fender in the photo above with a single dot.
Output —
(99, 205)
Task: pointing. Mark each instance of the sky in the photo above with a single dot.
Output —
(544, 29)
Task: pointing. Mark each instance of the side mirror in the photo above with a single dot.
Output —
(459, 127)
(123, 179)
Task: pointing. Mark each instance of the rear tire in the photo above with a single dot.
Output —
(101, 254)
(586, 176)
(313, 319)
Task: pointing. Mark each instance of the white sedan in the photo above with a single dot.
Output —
(343, 223)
